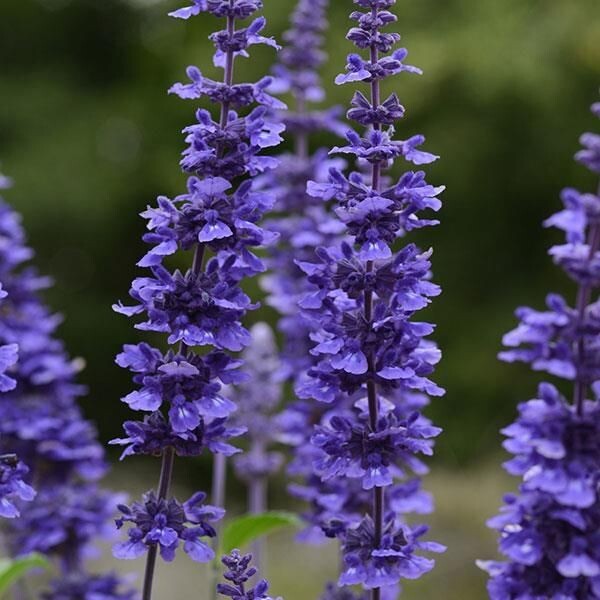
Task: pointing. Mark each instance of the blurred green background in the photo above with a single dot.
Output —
(90, 136)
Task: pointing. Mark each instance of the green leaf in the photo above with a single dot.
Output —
(12, 570)
(241, 531)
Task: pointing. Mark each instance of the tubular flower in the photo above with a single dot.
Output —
(371, 356)
(183, 393)
(549, 530)
(43, 434)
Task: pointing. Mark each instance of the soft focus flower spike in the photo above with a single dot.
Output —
(548, 531)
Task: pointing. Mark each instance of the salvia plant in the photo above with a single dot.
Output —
(373, 358)
(549, 530)
(334, 503)
(45, 441)
(200, 309)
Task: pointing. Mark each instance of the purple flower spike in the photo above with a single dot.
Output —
(258, 398)
(43, 435)
(549, 530)
(186, 392)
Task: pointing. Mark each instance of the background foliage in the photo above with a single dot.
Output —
(91, 137)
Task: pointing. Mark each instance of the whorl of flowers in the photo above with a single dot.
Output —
(371, 351)
(166, 523)
(43, 434)
(549, 531)
(216, 219)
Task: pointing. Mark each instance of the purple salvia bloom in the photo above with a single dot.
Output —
(353, 450)
(258, 399)
(183, 394)
(42, 424)
(371, 354)
(379, 563)
(155, 434)
(549, 530)
(187, 383)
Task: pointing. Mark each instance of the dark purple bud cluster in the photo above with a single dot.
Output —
(549, 530)
(238, 573)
